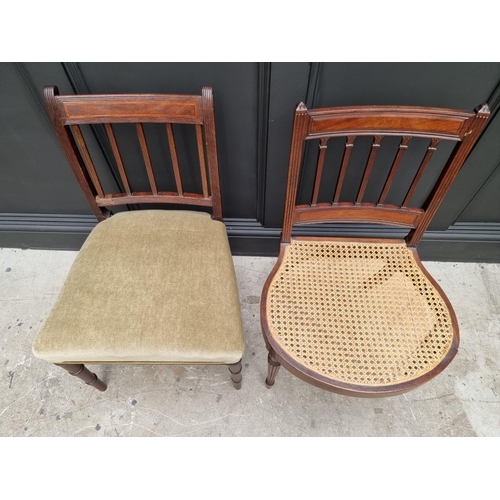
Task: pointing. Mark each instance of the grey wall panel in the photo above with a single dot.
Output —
(485, 206)
(34, 173)
(289, 84)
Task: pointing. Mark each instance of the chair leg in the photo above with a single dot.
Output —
(235, 370)
(86, 375)
(272, 369)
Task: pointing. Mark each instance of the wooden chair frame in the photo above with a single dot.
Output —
(435, 124)
(68, 112)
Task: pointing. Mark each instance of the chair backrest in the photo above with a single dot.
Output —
(435, 124)
(68, 112)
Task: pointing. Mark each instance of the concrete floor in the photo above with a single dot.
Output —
(39, 399)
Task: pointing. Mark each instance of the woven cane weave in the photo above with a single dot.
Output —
(359, 313)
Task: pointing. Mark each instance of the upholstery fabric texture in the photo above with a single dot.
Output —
(148, 286)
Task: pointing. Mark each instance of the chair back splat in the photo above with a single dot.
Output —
(435, 124)
(148, 286)
(69, 112)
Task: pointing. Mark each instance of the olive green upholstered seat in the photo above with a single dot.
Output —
(148, 286)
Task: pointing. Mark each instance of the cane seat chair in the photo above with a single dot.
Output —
(362, 316)
(148, 286)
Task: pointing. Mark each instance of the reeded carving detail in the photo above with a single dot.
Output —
(207, 93)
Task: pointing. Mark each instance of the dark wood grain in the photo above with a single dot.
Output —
(369, 166)
(147, 158)
(273, 366)
(117, 156)
(388, 120)
(201, 156)
(461, 127)
(207, 102)
(113, 200)
(343, 168)
(198, 110)
(175, 160)
(77, 133)
(83, 373)
(300, 127)
(403, 146)
(130, 108)
(319, 169)
(68, 144)
(360, 212)
(421, 169)
(235, 371)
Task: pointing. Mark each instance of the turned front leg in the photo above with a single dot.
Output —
(86, 375)
(272, 369)
(235, 370)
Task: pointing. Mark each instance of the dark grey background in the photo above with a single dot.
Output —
(41, 205)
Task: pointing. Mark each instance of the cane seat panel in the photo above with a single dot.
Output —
(357, 312)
